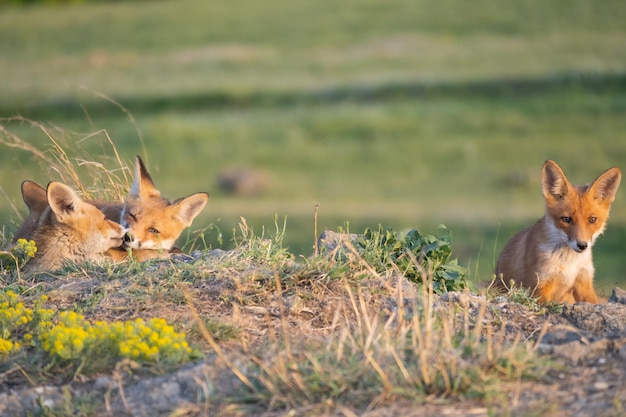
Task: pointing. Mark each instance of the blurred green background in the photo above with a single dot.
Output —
(403, 113)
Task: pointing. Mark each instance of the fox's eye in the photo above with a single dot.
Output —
(566, 219)
(153, 231)
(592, 219)
(132, 216)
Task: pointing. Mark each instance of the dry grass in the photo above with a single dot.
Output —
(315, 335)
(311, 336)
(66, 158)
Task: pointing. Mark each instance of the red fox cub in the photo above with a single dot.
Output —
(67, 229)
(553, 256)
(153, 222)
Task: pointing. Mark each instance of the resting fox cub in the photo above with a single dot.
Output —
(67, 229)
(153, 222)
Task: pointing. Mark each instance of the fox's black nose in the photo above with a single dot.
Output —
(127, 238)
(582, 245)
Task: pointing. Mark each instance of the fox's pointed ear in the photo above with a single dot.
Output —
(34, 196)
(605, 186)
(555, 184)
(143, 187)
(62, 200)
(188, 208)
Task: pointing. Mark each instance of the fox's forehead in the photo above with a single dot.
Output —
(578, 204)
(155, 206)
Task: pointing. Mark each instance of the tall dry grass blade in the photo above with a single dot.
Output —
(364, 313)
(334, 324)
(478, 324)
(355, 309)
(443, 371)
(316, 246)
(542, 333)
(130, 118)
(19, 143)
(400, 301)
(283, 320)
(12, 205)
(421, 347)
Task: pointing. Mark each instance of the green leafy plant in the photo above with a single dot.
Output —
(414, 255)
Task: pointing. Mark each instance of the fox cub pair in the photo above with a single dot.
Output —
(68, 228)
(553, 257)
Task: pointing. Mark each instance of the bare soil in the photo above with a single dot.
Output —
(584, 345)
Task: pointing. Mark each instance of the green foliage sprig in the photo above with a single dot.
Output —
(415, 255)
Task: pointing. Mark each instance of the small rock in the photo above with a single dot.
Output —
(501, 299)
(243, 181)
(579, 353)
(463, 299)
(330, 241)
(618, 296)
(600, 386)
(600, 319)
(561, 336)
(216, 253)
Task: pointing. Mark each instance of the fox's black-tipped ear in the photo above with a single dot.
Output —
(605, 186)
(143, 187)
(554, 183)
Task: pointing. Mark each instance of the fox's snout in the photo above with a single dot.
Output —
(131, 241)
(580, 246)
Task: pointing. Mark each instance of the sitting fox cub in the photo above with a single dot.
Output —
(553, 257)
(67, 229)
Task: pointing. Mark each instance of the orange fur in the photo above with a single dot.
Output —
(553, 257)
(67, 229)
(153, 222)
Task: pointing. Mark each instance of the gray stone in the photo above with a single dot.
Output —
(618, 295)
(596, 318)
(331, 242)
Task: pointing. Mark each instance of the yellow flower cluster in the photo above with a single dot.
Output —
(17, 321)
(24, 249)
(154, 341)
(18, 256)
(6, 346)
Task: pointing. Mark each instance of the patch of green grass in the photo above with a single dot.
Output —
(233, 48)
(401, 113)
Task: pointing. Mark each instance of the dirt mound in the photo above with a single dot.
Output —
(583, 345)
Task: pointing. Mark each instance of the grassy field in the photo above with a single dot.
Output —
(405, 113)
